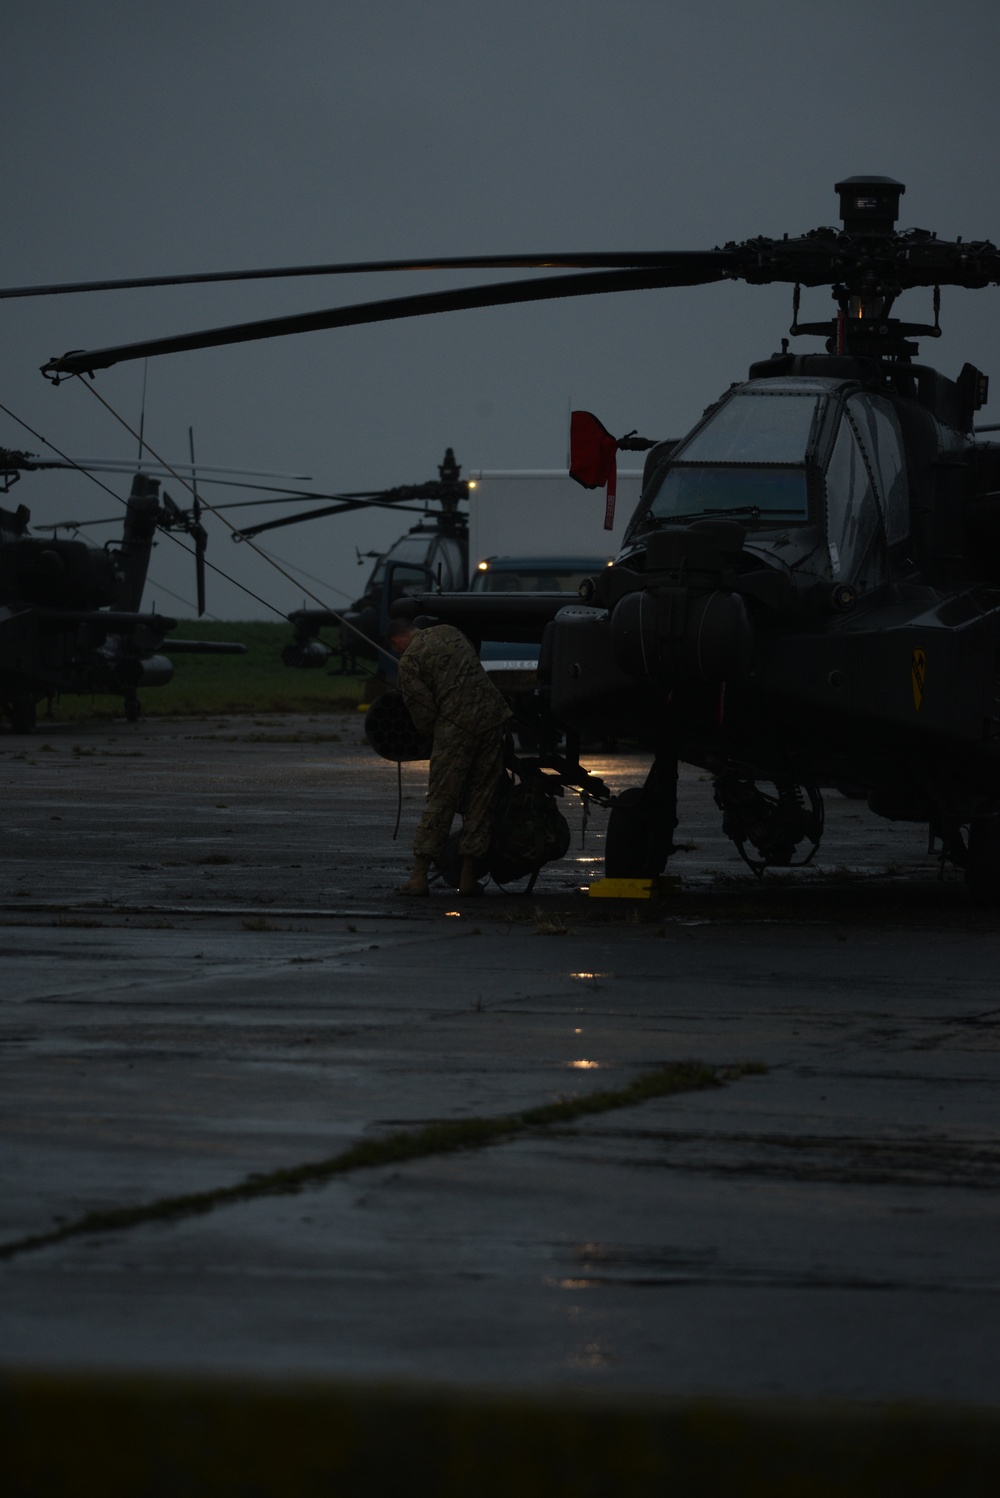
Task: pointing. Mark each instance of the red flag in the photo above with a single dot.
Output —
(593, 458)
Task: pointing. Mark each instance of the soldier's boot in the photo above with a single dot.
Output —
(417, 882)
(468, 881)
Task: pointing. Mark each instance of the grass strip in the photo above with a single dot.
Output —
(207, 685)
(438, 1138)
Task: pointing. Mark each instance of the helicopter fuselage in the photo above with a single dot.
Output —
(808, 594)
(797, 584)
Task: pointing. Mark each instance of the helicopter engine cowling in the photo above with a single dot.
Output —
(680, 619)
(671, 635)
(68, 574)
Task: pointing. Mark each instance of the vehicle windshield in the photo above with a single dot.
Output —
(533, 580)
(749, 458)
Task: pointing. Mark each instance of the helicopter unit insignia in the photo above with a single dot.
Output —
(918, 673)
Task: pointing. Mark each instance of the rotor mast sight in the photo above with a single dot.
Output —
(873, 253)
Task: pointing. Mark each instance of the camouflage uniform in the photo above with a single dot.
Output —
(450, 696)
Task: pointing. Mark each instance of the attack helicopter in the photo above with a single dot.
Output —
(71, 619)
(434, 552)
(809, 590)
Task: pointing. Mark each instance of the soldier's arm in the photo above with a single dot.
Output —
(416, 694)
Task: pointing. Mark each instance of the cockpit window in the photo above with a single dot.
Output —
(756, 429)
(702, 490)
(551, 579)
(854, 526)
(749, 459)
(877, 425)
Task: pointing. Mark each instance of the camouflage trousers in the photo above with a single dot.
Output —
(464, 774)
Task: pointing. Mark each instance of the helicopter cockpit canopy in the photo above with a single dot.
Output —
(749, 457)
(419, 560)
(785, 454)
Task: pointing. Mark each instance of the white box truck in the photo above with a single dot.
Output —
(542, 512)
(538, 531)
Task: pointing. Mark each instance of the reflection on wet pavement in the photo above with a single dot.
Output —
(208, 976)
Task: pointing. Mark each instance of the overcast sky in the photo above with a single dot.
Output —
(147, 137)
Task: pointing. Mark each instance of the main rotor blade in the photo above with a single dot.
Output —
(583, 260)
(693, 269)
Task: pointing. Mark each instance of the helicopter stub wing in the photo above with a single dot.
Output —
(111, 619)
(205, 647)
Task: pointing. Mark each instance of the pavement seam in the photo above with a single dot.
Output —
(435, 1138)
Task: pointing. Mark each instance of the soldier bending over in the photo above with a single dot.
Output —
(452, 700)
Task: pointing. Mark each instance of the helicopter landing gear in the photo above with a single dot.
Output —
(133, 708)
(22, 713)
(982, 864)
(641, 825)
(773, 826)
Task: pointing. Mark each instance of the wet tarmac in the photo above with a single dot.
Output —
(207, 976)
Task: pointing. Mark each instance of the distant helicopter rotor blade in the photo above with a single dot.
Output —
(199, 568)
(77, 525)
(338, 509)
(358, 502)
(114, 465)
(693, 268)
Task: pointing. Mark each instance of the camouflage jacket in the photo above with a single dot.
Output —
(443, 683)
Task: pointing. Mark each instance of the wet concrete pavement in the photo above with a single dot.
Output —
(206, 975)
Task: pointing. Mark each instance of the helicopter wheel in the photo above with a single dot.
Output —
(23, 715)
(634, 845)
(133, 709)
(982, 869)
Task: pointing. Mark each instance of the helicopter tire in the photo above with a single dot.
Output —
(23, 715)
(982, 869)
(133, 709)
(634, 847)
